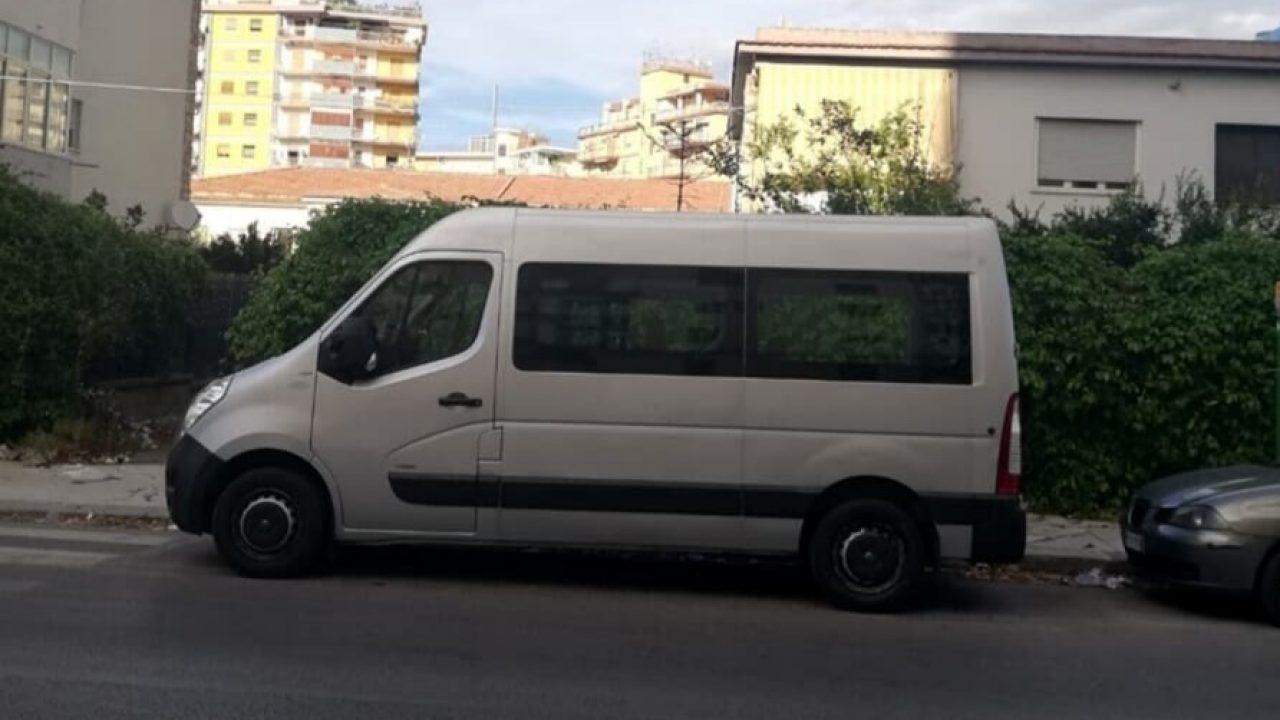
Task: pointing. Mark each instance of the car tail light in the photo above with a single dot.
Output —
(1009, 470)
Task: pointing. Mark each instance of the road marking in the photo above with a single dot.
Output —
(51, 558)
(85, 536)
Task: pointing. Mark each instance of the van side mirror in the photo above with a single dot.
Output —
(350, 351)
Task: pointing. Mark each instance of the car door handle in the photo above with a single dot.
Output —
(460, 400)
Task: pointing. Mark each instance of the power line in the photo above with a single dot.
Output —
(102, 85)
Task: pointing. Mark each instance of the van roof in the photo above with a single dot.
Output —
(492, 229)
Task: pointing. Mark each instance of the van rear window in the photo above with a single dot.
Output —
(636, 319)
(859, 326)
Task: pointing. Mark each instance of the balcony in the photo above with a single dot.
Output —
(388, 139)
(333, 100)
(331, 132)
(382, 105)
(612, 126)
(688, 112)
(333, 67)
(345, 36)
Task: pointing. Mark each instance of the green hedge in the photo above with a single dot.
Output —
(82, 297)
(1131, 373)
(343, 247)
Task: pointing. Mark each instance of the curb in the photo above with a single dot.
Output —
(1073, 565)
(130, 512)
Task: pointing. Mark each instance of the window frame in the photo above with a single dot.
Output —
(491, 299)
(532, 361)
(1100, 187)
(1250, 196)
(871, 373)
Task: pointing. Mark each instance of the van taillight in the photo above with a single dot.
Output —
(1009, 470)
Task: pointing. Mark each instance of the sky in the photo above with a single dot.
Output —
(557, 61)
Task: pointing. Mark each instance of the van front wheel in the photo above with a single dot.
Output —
(269, 523)
(867, 555)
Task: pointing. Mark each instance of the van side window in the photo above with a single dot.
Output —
(867, 326)
(636, 319)
(426, 312)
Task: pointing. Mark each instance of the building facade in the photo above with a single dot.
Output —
(95, 95)
(1043, 121)
(505, 151)
(680, 110)
(307, 82)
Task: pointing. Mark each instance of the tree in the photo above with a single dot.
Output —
(833, 163)
(680, 140)
(250, 253)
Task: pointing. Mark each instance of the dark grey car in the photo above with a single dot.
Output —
(1212, 529)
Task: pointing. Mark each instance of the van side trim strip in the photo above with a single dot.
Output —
(999, 523)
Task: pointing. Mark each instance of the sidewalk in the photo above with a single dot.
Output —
(121, 490)
(138, 491)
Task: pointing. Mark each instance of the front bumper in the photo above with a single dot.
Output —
(1204, 559)
(190, 480)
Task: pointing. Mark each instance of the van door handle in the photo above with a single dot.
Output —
(458, 399)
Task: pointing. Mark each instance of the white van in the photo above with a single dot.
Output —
(835, 388)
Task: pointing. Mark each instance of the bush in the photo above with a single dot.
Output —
(84, 297)
(334, 257)
(1146, 362)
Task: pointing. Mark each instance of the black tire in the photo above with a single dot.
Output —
(271, 523)
(1269, 587)
(867, 555)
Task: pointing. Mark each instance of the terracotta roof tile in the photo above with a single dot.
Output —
(294, 185)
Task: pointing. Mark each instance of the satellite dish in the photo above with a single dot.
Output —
(183, 214)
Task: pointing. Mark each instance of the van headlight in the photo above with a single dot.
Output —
(207, 398)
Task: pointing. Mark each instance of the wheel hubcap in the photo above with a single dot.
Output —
(267, 523)
(870, 558)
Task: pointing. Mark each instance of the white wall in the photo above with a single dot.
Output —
(134, 147)
(133, 144)
(1177, 112)
(219, 219)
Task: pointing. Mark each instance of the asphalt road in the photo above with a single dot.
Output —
(135, 626)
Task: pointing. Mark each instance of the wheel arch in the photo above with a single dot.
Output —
(878, 488)
(248, 460)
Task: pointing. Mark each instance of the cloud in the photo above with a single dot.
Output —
(557, 60)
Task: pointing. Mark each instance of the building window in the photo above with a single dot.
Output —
(75, 125)
(255, 56)
(37, 111)
(228, 87)
(1247, 164)
(294, 156)
(1087, 154)
(631, 319)
(229, 56)
(255, 25)
(231, 24)
(224, 119)
(251, 119)
(859, 326)
(14, 102)
(224, 152)
(249, 152)
(393, 160)
(251, 87)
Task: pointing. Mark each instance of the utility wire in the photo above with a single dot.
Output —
(105, 86)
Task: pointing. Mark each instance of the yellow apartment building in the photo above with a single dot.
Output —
(306, 83)
(680, 109)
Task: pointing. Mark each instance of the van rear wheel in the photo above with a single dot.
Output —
(867, 555)
(270, 523)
